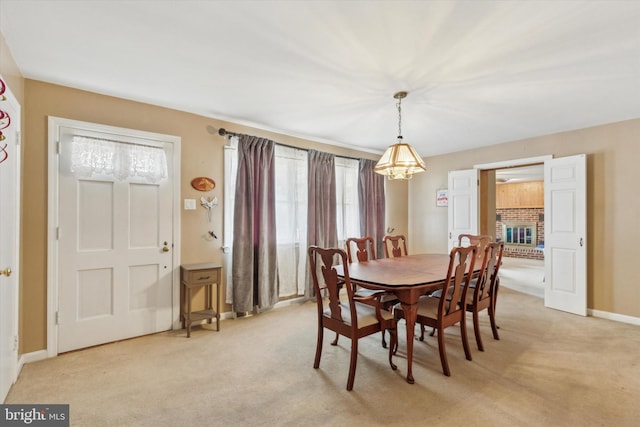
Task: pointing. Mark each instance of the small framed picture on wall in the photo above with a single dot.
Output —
(442, 197)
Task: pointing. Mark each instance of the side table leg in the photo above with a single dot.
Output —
(209, 297)
(218, 305)
(189, 313)
(182, 307)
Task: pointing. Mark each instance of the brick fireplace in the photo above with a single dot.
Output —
(522, 230)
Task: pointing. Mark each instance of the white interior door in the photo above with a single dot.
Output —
(565, 225)
(115, 244)
(9, 240)
(463, 204)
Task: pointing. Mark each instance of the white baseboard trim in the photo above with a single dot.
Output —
(230, 315)
(539, 292)
(288, 302)
(34, 356)
(614, 316)
(281, 304)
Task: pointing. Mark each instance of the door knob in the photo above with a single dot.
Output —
(165, 248)
(6, 272)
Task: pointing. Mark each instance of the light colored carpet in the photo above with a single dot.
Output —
(524, 275)
(548, 369)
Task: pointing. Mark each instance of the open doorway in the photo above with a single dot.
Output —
(472, 210)
(512, 210)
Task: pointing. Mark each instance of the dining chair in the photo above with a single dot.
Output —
(479, 240)
(356, 318)
(440, 313)
(365, 250)
(396, 248)
(483, 291)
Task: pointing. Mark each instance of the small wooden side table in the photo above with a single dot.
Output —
(196, 276)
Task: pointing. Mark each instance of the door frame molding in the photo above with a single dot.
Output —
(513, 163)
(516, 163)
(16, 125)
(54, 124)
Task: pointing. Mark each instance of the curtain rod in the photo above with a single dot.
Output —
(224, 132)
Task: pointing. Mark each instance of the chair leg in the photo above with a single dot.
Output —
(492, 318)
(421, 332)
(384, 343)
(352, 365)
(335, 342)
(316, 363)
(443, 353)
(476, 330)
(394, 347)
(494, 301)
(433, 331)
(465, 341)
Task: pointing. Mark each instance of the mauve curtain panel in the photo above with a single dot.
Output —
(254, 232)
(372, 203)
(321, 221)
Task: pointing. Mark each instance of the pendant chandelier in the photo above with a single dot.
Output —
(400, 161)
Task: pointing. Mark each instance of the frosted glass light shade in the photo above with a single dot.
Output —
(400, 161)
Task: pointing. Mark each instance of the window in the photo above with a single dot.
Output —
(348, 219)
(291, 219)
(291, 165)
(116, 159)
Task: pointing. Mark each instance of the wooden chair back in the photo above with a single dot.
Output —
(365, 248)
(484, 291)
(398, 246)
(323, 261)
(481, 241)
(485, 284)
(461, 264)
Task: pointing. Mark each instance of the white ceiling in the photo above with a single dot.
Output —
(477, 72)
(520, 174)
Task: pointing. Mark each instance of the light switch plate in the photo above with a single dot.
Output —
(189, 204)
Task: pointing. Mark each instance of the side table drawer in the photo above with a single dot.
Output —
(201, 276)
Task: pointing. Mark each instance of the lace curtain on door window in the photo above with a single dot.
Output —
(120, 160)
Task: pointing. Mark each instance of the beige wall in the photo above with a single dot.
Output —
(202, 155)
(396, 218)
(613, 208)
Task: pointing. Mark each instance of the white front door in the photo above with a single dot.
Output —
(463, 204)
(9, 240)
(115, 244)
(565, 234)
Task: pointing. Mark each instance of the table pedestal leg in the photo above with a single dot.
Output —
(410, 315)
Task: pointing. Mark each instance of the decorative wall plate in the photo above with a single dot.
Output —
(202, 183)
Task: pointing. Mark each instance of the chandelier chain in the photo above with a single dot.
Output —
(399, 118)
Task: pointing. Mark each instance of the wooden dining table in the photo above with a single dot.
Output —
(408, 277)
